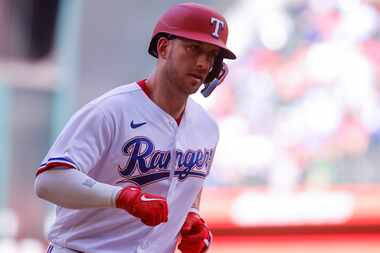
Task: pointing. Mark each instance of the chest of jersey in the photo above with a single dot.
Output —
(149, 148)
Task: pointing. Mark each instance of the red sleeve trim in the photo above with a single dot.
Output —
(53, 165)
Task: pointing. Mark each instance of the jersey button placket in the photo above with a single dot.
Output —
(143, 247)
(172, 127)
(172, 182)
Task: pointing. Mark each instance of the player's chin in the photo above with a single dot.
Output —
(193, 84)
(192, 89)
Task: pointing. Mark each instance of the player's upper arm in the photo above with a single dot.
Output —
(83, 141)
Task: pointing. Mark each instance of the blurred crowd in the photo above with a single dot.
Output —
(301, 106)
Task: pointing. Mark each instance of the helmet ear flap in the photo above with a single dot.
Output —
(214, 73)
(215, 77)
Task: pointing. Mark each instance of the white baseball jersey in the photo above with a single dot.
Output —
(123, 137)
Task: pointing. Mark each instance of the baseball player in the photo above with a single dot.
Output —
(127, 170)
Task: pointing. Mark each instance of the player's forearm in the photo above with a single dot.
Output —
(70, 188)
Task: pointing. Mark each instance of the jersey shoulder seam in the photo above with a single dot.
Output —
(97, 102)
(109, 94)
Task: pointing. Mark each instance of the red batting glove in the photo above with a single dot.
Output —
(151, 209)
(196, 236)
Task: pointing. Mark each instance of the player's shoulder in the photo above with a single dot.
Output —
(121, 92)
(111, 103)
(202, 115)
(118, 97)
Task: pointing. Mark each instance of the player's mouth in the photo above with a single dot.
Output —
(197, 77)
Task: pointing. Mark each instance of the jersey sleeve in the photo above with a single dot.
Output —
(82, 143)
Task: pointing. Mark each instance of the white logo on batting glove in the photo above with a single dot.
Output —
(144, 198)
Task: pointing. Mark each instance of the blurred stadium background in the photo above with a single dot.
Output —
(297, 167)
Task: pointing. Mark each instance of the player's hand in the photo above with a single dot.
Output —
(151, 209)
(196, 236)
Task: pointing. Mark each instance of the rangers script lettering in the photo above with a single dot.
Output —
(146, 164)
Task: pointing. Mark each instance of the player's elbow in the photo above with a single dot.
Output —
(41, 187)
(46, 186)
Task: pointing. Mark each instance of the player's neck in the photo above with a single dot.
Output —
(167, 99)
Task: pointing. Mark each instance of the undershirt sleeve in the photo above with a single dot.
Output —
(74, 189)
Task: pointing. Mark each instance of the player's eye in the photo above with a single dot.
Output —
(193, 49)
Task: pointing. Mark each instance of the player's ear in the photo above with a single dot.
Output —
(162, 47)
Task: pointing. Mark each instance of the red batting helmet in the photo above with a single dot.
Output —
(193, 21)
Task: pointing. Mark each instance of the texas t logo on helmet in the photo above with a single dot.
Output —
(218, 26)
